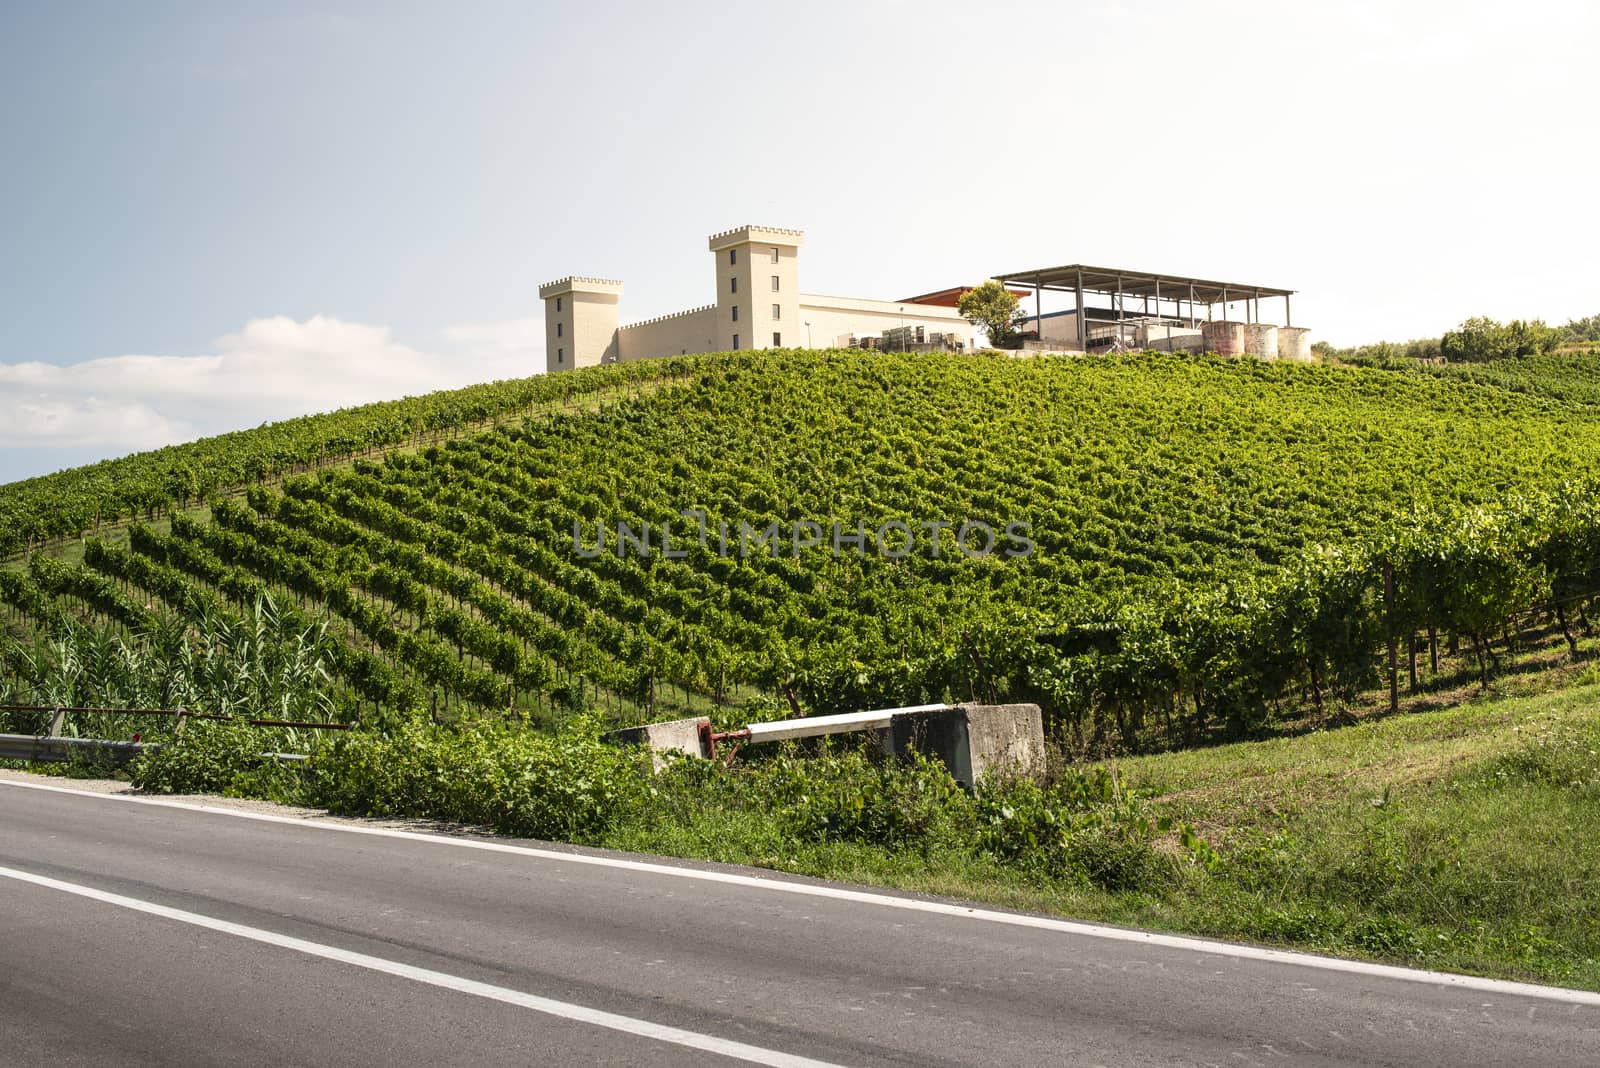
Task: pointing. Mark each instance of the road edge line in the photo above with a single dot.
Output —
(1081, 928)
(444, 980)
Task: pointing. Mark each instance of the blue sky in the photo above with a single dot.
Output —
(216, 214)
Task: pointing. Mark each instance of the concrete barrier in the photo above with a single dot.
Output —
(674, 736)
(971, 740)
(975, 740)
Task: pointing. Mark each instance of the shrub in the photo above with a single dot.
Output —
(1117, 856)
(1083, 828)
(849, 796)
(218, 758)
(1387, 936)
(568, 787)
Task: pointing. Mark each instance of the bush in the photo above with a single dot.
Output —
(1117, 857)
(218, 758)
(1084, 828)
(566, 787)
(849, 796)
(1022, 824)
(1310, 925)
(1387, 936)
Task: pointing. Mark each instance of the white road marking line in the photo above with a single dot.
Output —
(864, 897)
(550, 1007)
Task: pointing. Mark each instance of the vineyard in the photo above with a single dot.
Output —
(1213, 540)
(1566, 377)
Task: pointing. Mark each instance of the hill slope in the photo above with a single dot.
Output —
(1208, 537)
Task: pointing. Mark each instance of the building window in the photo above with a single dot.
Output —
(777, 311)
(733, 285)
(777, 340)
(774, 255)
(558, 304)
(733, 257)
(736, 313)
(736, 343)
(558, 330)
(561, 356)
(774, 283)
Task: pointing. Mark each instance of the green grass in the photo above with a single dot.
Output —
(1466, 839)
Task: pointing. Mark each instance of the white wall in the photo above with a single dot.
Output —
(672, 335)
(832, 318)
(1062, 329)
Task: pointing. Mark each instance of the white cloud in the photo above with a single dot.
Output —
(273, 368)
(47, 420)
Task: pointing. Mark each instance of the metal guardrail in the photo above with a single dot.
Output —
(177, 714)
(52, 747)
(46, 749)
(29, 747)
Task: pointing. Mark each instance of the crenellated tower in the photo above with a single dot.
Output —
(580, 322)
(758, 287)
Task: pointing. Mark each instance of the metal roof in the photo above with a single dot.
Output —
(1110, 280)
(950, 298)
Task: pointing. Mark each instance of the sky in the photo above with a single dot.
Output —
(214, 215)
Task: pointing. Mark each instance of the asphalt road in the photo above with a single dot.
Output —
(134, 933)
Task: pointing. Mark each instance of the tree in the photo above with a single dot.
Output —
(993, 307)
(1479, 338)
(1585, 329)
(1482, 338)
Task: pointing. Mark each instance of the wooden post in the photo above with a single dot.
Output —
(1394, 667)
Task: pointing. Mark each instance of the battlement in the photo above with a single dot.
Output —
(667, 318)
(579, 284)
(770, 235)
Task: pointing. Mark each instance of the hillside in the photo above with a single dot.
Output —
(1209, 537)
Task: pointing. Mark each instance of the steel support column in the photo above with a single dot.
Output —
(1083, 329)
(1038, 308)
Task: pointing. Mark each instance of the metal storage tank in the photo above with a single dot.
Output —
(1294, 343)
(1223, 337)
(1261, 339)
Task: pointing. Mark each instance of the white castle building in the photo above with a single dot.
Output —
(759, 305)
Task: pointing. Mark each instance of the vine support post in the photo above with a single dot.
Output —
(1394, 644)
